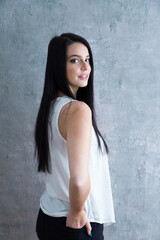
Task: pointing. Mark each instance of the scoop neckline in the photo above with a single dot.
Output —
(65, 96)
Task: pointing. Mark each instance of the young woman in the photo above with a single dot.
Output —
(70, 149)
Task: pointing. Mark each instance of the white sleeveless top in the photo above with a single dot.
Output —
(55, 200)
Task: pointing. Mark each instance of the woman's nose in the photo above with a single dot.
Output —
(84, 65)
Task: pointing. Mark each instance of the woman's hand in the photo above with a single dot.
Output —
(78, 220)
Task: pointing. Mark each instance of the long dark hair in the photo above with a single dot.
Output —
(55, 80)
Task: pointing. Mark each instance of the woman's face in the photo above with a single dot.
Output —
(77, 66)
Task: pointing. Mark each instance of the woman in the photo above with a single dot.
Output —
(71, 151)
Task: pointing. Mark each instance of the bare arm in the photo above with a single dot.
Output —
(79, 130)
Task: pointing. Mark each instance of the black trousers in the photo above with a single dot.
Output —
(54, 228)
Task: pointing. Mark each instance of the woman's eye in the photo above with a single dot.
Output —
(74, 61)
(77, 60)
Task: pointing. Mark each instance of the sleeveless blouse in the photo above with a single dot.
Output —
(55, 199)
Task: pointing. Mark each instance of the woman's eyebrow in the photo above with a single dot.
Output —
(75, 55)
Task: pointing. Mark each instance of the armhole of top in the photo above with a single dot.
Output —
(61, 105)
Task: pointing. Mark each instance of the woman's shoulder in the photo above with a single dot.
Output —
(74, 113)
(76, 108)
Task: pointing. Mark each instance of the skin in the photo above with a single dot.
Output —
(77, 135)
(77, 65)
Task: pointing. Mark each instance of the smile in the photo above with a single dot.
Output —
(85, 76)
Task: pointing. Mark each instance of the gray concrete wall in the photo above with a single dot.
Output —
(125, 39)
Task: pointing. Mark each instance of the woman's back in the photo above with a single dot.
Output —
(55, 200)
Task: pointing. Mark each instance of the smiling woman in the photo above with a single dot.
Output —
(70, 149)
(78, 66)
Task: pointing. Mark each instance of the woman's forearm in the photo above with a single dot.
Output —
(78, 192)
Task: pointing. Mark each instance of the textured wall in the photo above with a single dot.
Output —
(125, 39)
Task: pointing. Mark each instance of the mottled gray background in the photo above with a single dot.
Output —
(125, 39)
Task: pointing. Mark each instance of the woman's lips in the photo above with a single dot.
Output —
(84, 76)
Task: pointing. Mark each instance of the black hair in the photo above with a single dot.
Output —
(55, 81)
